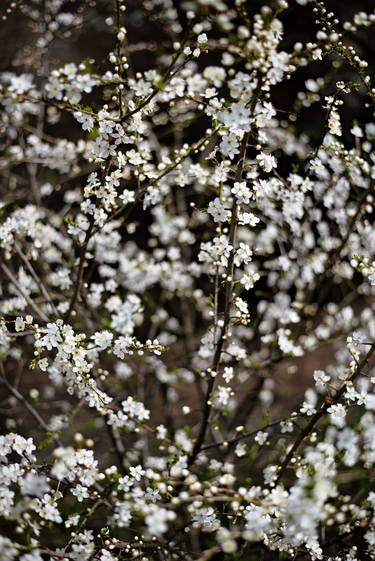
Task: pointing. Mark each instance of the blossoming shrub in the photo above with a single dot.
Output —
(175, 236)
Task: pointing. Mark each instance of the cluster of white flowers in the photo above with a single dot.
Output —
(187, 281)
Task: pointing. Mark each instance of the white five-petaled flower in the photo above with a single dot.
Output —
(218, 212)
(266, 161)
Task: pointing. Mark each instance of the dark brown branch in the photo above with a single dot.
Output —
(321, 412)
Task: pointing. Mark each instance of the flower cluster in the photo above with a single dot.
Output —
(187, 267)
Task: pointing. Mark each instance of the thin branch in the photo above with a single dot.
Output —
(27, 404)
(36, 278)
(228, 292)
(321, 412)
(32, 304)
